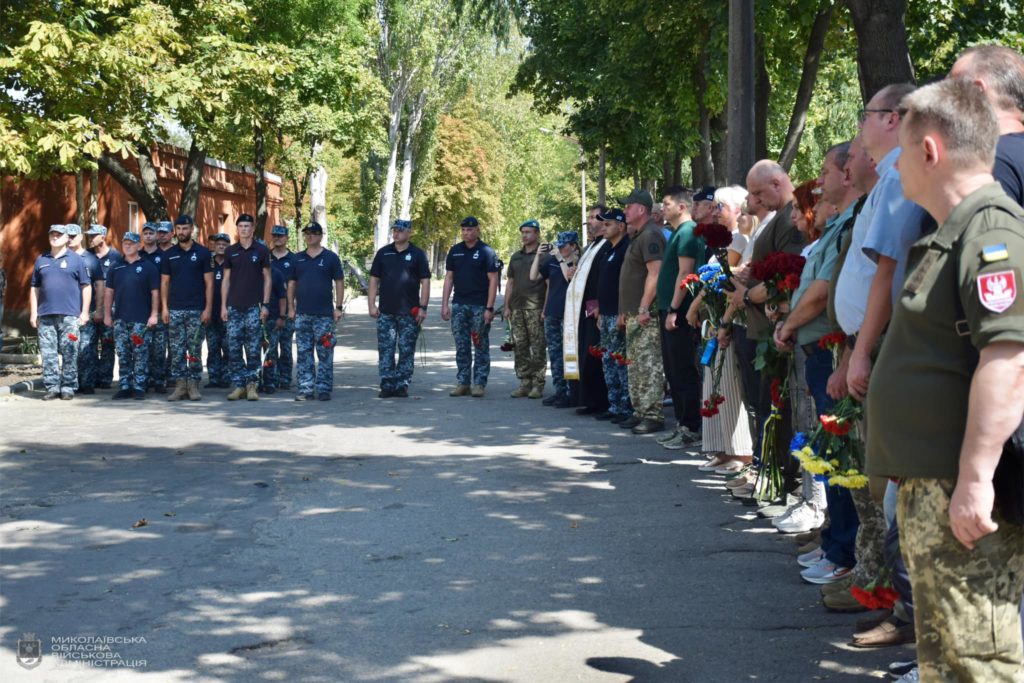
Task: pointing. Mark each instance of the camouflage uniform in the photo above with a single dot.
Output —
(646, 376)
(616, 375)
(244, 335)
(310, 332)
(158, 361)
(467, 319)
(553, 333)
(966, 602)
(186, 339)
(59, 352)
(87, 355)
(133, 359)
(281, 347)
(217, 353)
(530, 348)
(271, 371)
(107, 353)
(870, 546)
(392, 330)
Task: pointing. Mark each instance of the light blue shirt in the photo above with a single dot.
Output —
(820, 265)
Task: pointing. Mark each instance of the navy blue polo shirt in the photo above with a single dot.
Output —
(609, 265)
(470, 268)
(107, 262)
(96, 274)
(187, 290)
(218, 280)
(314, 282)
(399, 273)
(246, 266)
(133, 285)
(284, 264)
(557, 286)
(278, 291)
(60, 282)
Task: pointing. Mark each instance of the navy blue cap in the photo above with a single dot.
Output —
(279, 230)
(705, 194)
(532, 223)
(567, 237)
(469, 222)
(164, 226)
(96, 229)
(220, 237)
(59, 227)
(612, 215)
(184, 219)
(244, 217)
(148, 226)
(73, 229)
(401, 224)
(314, 227)
(132, 237)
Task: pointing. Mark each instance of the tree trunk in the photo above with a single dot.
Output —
(318, 196)
(79, 198)
(809, 77)
(387, 190)
(703, 166)
(144, 188)
(677, 168)
(412, 129)
(601, 176)
(193, 180)
(260, 161)
(882, 54)
(763, 94)
(740, 145)
(94, 190)
(299, 190)
(719, 131)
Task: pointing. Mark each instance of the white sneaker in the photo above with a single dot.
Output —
(787, 514)
(911, 676)
(824, 572)
(804, 518)
(811, 558)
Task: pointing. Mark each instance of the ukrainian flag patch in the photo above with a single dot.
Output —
(994, 252)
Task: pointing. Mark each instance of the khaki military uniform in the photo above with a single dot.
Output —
(643, 342)
(962, 292)
(526, 304)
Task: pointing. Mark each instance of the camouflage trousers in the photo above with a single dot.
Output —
(531, 361)
(284, 356)
(314, 334)
(472, 344)
(107, 354)
(217, 353)
(401, 331)
(553, 332)
(271, 370)
(132, 341)
(869, 548)
(58, 347)
(186, 342)
(616, 375)
(158, 361)
(645, 369)
(966, 602)
(88, 357)
(245, 337)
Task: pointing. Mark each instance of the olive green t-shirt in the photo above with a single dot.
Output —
(954, 303)
(526, 295)
(682, 243)
(648, 245)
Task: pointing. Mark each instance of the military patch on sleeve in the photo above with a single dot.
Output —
(994, 252)
(997, 291)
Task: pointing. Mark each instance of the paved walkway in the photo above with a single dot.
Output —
(427, 539)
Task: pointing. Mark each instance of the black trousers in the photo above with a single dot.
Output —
(593, 391)
(679, 356)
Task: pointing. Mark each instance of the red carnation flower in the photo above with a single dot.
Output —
(865, 598)
(72, 336)
(691, 279)
(475, 336)
(835, 425)
(887, 596)
(715, 235)
(414, 311)
(137, 340)
(268, 364)
(790, 283)
(596, 351)
(776, 390)
(832, 340)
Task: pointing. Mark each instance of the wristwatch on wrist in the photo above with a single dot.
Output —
(490, 309)
(746, 297)
(673, 311)
(340, 308)
(423, 307)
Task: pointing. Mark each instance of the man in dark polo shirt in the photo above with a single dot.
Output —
(637, 297)
(401, 274)
(316, 301)
(275, 326)
(131, 306)
(281, 259)
(556, 272)
(956, 346)
(613, 336)
(186, 296)
(524, 301)
(245, 305)
(216, 332)
(155, 243)
(59, 304)
(471, 270)
(87, 340)
(109, 257)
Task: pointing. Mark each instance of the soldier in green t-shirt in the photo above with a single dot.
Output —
(524, 301)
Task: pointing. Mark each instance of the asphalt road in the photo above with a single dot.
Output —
(426, 539)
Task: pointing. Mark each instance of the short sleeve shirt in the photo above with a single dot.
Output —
(608, 268)
(186, 270)
(314, 278)
(218, 280)
(96, 274)
(683, 243)
(60, 282)
(283, 263)
(108, 261)
(969, 298)
(246, 266)
(469, 268)
(551, 273)
(156, 257)
(820, 265)
(526, 294)
(399, 273)
(647, 245)
(133, 285)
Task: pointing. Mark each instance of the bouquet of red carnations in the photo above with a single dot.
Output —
(780, 273)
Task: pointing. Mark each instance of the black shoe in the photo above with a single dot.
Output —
(586, 410)
(401, 392)
(619, 419)
(122, 395)
(323, 397)
(302, 397)
(605, 416)
(160, 389)
(385, 393)
(649, 427)
(630, 422)
(139, 395)
(550, 400)
(561, 402)
(88, 391)
(51, 395)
